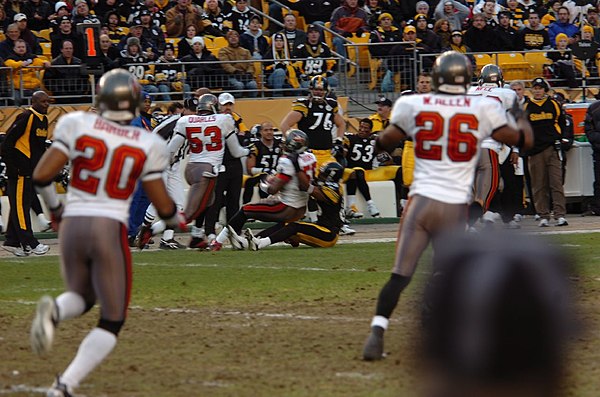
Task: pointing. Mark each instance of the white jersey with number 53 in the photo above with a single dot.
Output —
(107, 159)
(206, 135)
(447, 131)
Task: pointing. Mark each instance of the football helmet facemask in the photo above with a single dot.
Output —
(331, 172)
(319, 88)
(491, 74)
(296, 141)
(451, 74)
(118, 96)
(208, 103)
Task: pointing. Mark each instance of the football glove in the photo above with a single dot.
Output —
(383, 157)
(177, 222)
(337, 150)
(253, 150)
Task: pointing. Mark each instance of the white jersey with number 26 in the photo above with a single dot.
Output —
(447, 131)
(107, 159)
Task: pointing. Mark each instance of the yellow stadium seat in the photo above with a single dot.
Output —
(374, 66)
(514, 66)
(537, 62)
(481, 60)
(216, 45)
(363, 50)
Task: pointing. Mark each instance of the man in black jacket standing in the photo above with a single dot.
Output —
(592, 131)
(22, 148)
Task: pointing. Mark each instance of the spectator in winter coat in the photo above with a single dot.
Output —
(240, 75)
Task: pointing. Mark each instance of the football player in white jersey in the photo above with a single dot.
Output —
(173, 175)
(494, 153)
(447, 127)
(287, 190)
(206, 133)
(108, 157)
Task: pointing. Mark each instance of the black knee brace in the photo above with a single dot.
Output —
(390, 294)
(111, 326)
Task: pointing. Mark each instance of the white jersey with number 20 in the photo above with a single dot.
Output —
(447, 131)
(107, 159)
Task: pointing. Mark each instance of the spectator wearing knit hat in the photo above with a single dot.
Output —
(426, 35)
(136, 29)
(386, 32)
(64, 32)
(151, 32)
(563, 66)
(82, 13)
(60, 10)
(205, 70)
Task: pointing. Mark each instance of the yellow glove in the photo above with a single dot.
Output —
(177, 86)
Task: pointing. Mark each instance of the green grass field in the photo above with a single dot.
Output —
(278, 322)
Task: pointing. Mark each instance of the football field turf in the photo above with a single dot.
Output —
(278, 322)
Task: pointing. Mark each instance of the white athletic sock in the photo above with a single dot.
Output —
(370, 202)
(93, 350)
(168, 234)
(70, 305)
(264, 242)
(158, 227)
(380, 321)
(313, 216)
(223, 236)
(197, 232)
(351, 200)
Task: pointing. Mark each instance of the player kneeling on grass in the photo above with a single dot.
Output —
(324, 233)
(287, 190)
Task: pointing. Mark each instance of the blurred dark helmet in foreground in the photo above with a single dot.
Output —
(497, 315)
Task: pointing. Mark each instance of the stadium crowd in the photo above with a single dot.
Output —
(151, 38)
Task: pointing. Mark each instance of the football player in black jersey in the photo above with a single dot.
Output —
(260, 166)
(324, 233)
(316, 115)
(359, 156)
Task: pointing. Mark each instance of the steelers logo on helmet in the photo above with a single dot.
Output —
(319, 88)
(296, 141)
(331, 172)
(491, 74)
(208, 104)
(451, 73)
(119, 96)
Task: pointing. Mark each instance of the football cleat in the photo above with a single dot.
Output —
(346, 231)
(198, 242)
(59, 389)
(512, 225)
(143, 237)
(42, 328)
(171, 244)
(373, 210)
(215, 246)
(353, 212)
(39, 249)
(544, 223)
(562, 222)
(373, 349)
(237, 241)
(252, 241)
(16, 251)
(294, 243)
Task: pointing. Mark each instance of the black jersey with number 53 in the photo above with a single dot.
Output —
(317, 121)
(360, 151)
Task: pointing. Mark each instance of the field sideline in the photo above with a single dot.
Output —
(279, 322)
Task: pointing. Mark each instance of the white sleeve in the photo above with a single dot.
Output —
(233, 144)
(62, 138)
(285, 166)
(494, 114)
(158, 159)
(402, 116)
